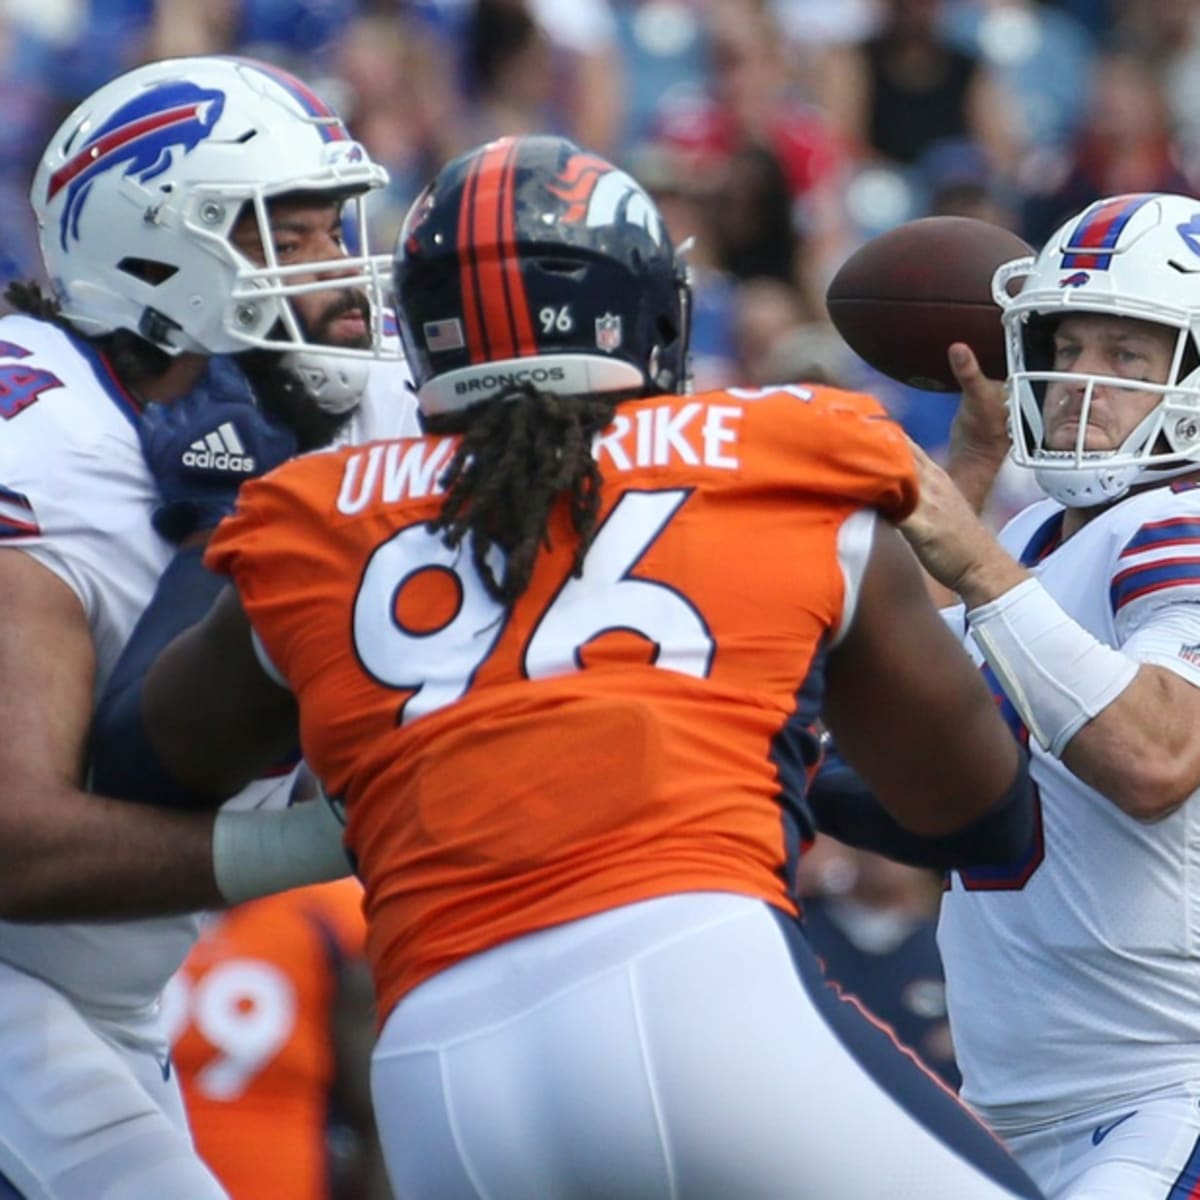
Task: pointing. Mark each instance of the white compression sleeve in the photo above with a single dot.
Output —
(270, 850)
(1057, 675)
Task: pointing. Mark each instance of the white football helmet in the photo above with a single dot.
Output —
(139, 188)
(1126, 256)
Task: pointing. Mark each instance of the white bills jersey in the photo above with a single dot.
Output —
(1073, 977)
(76, 495)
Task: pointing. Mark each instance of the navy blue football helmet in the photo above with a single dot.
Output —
(529, 260)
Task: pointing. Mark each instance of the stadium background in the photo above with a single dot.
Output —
(778, 134)
(752, 120)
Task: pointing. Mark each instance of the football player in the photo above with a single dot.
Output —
(271, 1024)
(188, 209)
(1072, 970)
(560, 658)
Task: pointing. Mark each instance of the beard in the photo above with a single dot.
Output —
(281, 392)
(350, 300)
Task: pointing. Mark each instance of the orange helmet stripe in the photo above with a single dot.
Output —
(518, 301)
(470, 298)
(495, 304)
(487, 249)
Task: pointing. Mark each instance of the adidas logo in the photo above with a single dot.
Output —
(221, 450)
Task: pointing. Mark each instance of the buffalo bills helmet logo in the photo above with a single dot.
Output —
(1078, 279)
(142, 136)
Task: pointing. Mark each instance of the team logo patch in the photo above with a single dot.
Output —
(1102, 1131)
(608, 332)
(142, 137)
(1078, 279)
(598, 195)
(443, 335)
(346, 152)
(221, 451)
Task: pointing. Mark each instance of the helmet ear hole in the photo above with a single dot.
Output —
(571, 268)
(147, 270)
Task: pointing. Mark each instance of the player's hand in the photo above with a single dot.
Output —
(952, 543)
(980, 424)
(979, 438)
(202, 447)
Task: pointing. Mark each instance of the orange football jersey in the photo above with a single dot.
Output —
(613, 737)
(253, 1004)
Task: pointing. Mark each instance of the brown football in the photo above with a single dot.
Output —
(901, 298)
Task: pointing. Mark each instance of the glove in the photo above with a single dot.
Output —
(203, 446)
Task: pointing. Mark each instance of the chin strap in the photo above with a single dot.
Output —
(336, 385)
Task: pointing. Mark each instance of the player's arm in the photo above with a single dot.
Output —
(910, 712)
(979, 443)
(200, 724)
(230, 723)
(64, 853)
(1141, 749)
(979, 436)
(1123, 726)
(226, 722)
(70, 854)
(843, 806)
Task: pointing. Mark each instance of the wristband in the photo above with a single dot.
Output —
(1057, 675)
(270, 850)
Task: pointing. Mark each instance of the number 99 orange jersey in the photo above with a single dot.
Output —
(251, 1015)
(610, 738)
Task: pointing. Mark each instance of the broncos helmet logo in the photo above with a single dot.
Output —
(597, 194)
(142, 136)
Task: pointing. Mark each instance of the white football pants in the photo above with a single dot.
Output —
(683, 1048)
(89, 1109)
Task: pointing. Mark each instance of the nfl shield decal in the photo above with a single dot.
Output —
(608, 332)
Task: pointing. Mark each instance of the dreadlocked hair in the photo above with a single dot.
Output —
(134, 360)
(519, 453)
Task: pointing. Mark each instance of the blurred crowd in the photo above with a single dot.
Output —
(777, 134)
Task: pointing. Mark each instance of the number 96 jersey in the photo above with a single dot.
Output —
(607, 739)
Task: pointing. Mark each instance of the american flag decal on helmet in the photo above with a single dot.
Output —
(443, 335)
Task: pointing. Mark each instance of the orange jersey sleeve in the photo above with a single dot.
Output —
(622, 735)
(255, 1057)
